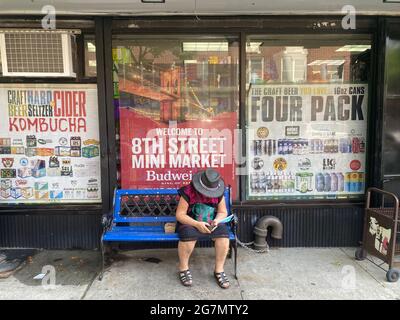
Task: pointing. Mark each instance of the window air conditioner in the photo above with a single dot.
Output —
(37, 53)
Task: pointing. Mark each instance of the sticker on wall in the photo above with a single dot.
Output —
(7, 162)
(23, 162)
(258, 163)
(382, 236)
(280, 164)
(262, 132)
(355, 165)
(304, 164)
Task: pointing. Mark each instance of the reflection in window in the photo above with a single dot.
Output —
(90, 58)
(311, 63)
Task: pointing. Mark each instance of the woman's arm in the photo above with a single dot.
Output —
(182, 217)
(222, 212)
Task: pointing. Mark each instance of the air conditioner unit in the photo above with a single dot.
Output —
(37, 53)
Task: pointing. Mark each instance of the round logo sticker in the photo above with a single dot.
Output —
(355, 165)
(23, 162)
(63, 141)
(262, 132)
(258, 163)
(280, 164)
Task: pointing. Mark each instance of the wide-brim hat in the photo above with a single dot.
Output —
(209, 183)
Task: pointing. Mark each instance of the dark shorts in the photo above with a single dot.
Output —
(190, 233)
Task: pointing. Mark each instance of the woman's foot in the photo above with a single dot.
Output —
(222, 279)
(186, 277)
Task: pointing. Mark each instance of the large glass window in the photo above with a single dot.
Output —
(391, 145)
(307, 110)
(176, 103)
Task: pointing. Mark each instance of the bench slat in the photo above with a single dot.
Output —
(133, 236)
(121, 219)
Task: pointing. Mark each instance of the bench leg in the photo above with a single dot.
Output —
(230, 250)
(102, 260)
(235, 262)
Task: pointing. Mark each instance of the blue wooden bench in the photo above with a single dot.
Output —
(140, 215)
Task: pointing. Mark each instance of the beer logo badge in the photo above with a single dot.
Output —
(328, 164)
(262, 132)
(7, 162)
(258, 163)
(23, 162)
(355, 165)
(304, 164)
(292, 131)
(21, 182)
(63, 141)
(280, 164)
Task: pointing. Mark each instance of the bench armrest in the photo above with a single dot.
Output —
(234, 223)
(106, 220)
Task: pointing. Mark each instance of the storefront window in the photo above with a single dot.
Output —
(391, 150)
(307, 110)
(176, 102)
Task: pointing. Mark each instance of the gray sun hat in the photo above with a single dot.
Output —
(209, 183)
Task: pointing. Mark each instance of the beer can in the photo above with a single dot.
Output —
(347, 181)
(319, 182)
(284, 147)
(354, 178)
(362, 145)
(290, 146)
(274, 147)
(340, 181)
(334, 182)
(265, 147)
(280, 146)
(259, 148)
(360, 184)
(356, 145)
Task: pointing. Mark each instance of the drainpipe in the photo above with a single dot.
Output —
(260, 231)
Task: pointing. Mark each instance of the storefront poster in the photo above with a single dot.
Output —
(49, 144)
(165, 154)
(307, 141)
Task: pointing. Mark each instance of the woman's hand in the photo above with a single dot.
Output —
(203, 227)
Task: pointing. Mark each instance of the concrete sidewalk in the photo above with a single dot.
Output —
(287, 273)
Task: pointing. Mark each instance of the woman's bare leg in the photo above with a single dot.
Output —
(185, 249)
(221, 251)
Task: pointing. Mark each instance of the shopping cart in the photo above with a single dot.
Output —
(380, 232)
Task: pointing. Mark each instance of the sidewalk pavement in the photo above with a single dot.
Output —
(285, 273)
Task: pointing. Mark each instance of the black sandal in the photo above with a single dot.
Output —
(222, 279)
(186, 277)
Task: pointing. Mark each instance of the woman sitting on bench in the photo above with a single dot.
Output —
(201, 207)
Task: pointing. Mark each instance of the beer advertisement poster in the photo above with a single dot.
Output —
(49, 143)
(307, 141)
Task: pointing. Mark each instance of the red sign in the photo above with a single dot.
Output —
(355, 165)
(157, 154)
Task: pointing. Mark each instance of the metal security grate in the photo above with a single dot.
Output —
(148, 205)
(34, 52)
